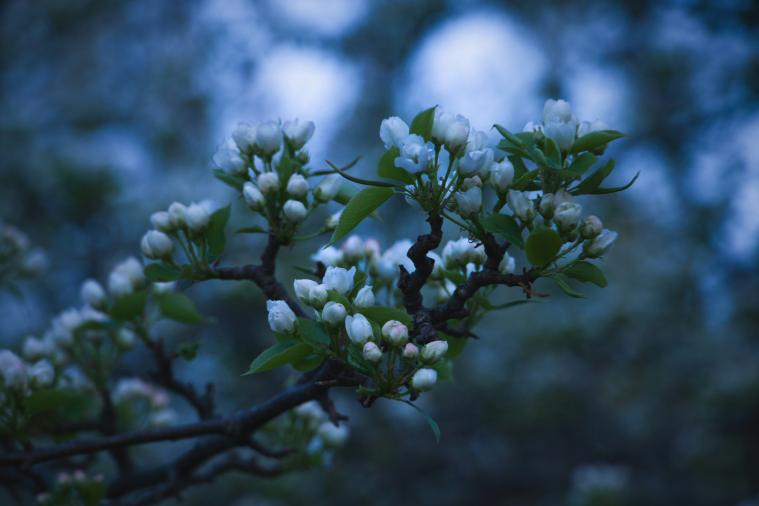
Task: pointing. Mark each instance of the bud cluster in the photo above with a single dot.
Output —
(18, 259)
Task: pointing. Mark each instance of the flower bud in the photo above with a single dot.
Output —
(333, 313)
(155, 245)
(434, 351)
(339, 279)
(119, 285)
(317, 295)
(125, 338)
(587, 127)
(410, 351)
(600, 244)
(501, 176)
(333, 220)
(507, 265)
(353, 249)
(244, 136)
(364, 297)
(328, 256)
(41, 374)
(372, 352)
(177, 212)
(331, 435)
(34, 348)
(92, 294)
(268, 138)
(281, 317)
(197, 217)
(591, 227)
(567, 215)
(295, 211)
(424, 379)
(328, 188)
(547, 206)
(395, 332)
(476, 162)
(253, 196)
(358, 328)
(522, 207)
(414, 154)
(392, 131)
(228, 159)
(471, 182)
(161, 221)
(297, 186)
(449, 129)
(310, 411)
(12, 370)
(469, 202)
(268, 182)
(303, 288)
(298, 132)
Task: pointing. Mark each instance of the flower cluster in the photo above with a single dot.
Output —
(18, 259)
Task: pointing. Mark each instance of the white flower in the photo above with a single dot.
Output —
(587, 127)
(559, 123)
(372, 352)
(469, 202)
(155, 245)
(161, 221)
(295, 211)
(532, 127)
(558, 110)
(328, 188)
(125, 338)
(476, 162)
(331, 435)
(591, 227)
(501, 175)
(438, 267)
(449, 129)
(92, 293)
(228, 158)
(41, 374)
(522, 207)
(434, 351)
(12, 370)
(372, 249)
(244, 136)
(303, 288)
(310, 411)
(547, 205)
(364, 297)
(424, 379)
(35, 348)
(339, 279)
(410, 351)
(392, 131)
(395, 332)
(298, 132)
(177, 212)
(600, 244)
(164, 287)
(162, 418)
(268, 138)
(358, 328)
(396, 255)
(507, 265)
(268, 182)
(353, 249)
(328, 256)
(414, 154)
(281, 317)
(318, 295)
(567, 215)
(458, 253)
(131, 269)
(197, 217)
(253, 196)
(297, 186)
(119, 284)
(333, 313)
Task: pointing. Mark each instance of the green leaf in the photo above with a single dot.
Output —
(615, 189)
(520, 169)
(60, 404)
(505, 226)
(513, 139)
(582, 163)
(506, 305)
(233, 181)
(386, 167)
(179, 307)
(253, 229)
(455, 344)
(365, 182)
(562, 283)
(593, 140)
(308, 363)
(552, 153)
(594, 180)
(159, 272)
(383, 314)
(312, 332)
(525, 179)
(346, 192)
(422, 124)
(215, 234)
(359, 207)
(129, 307)
(430, 421)
(282, 353)
(587, 273)
(188, 351)
(542, 246)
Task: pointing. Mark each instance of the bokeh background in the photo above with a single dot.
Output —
(645, 393)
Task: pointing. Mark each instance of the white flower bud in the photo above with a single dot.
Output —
(333, 220)
(372, 352)
(161, 221)
(125, 338)
(339, 279)
(567, 215)
(353, 249)
(268, 138)
(410, 351)
(449, 129)
(268, 182)
(228, 159)
(303, 288)
(471, 182)
(507, 265)
(177, 212)
(556, 110)
(92, 294)
(253, 196)
(244, 136)
(600, 244)
(328, 188)
(317, 295)
(501, 175)
(522, 207)
(119, 285)
(434, 351)
(331, 435)
(364, 297)
(587, 127)
(281, 317)
(358, 328)
(469, 202)
(310, 411)
(297, 186)
(12, 370)
(298, 132)
(547, 206)
(41, 374)
(131, 269)
(295, 211)
(333, 313)
(424, 379)
(35, 348)
(372, 249)
(395, 332)
(414, 154)
(476, 162)
(329, 256)
(197, 218)
(155, 245)
(392, 131)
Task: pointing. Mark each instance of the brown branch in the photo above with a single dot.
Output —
(411, 284)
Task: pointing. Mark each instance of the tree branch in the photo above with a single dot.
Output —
(411, 284)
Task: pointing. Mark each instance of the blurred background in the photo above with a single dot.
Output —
(645, 393)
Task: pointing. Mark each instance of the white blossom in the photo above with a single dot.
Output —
(244, 136)
(372, 352)
(469, 202)
(331, 435)
(303, 288)
(268, 183)
(587, 127)
(414, 154)
(41, 374)
(353, 249)
(501, 175)
(197, 217)
(393, 257)
(281, 317)
(297, 186)
(333, 313)
(364, 297)
(253, 196)
(507, 265)
(591, 227)
(395, 332)
(601, 244)
(155, 245)
(450, 129)
(333, 220)
(410, 351)
(329, 256)
(12, 370)
(125, 338)
(434, 351)
(295, 211)
(559, 123)
(177, 212)
(424, 379)
(35, 348)
(268, 138)
(318, 295)
(392, 131)
(92, 293)
(358, 328)
(298, 132)
(328, 188)
(228, 159)
(339, 279)
(521, 205)
(161, 221)
(567, 215)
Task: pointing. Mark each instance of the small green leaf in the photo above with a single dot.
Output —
(542, 246)
(129, 307)
(593, 140)
(179, 307)
(308, 363)
(505, 226)
(346, 192)
(552, 153)
(312, 332)
(615, 189)
(430, 421)
(594, 180)
(582, 163)
(382, 314)
(422, 124)
(562, 283)
(513, 139)
(282, 353)
(365, 182)
(253, 229)
(233, 181)
(216, 235)
(587, 273)
(188, 351)
(359, 207)
(159, 272)
(386, 167)
(524, 180)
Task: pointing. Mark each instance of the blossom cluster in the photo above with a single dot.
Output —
(18, 259)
